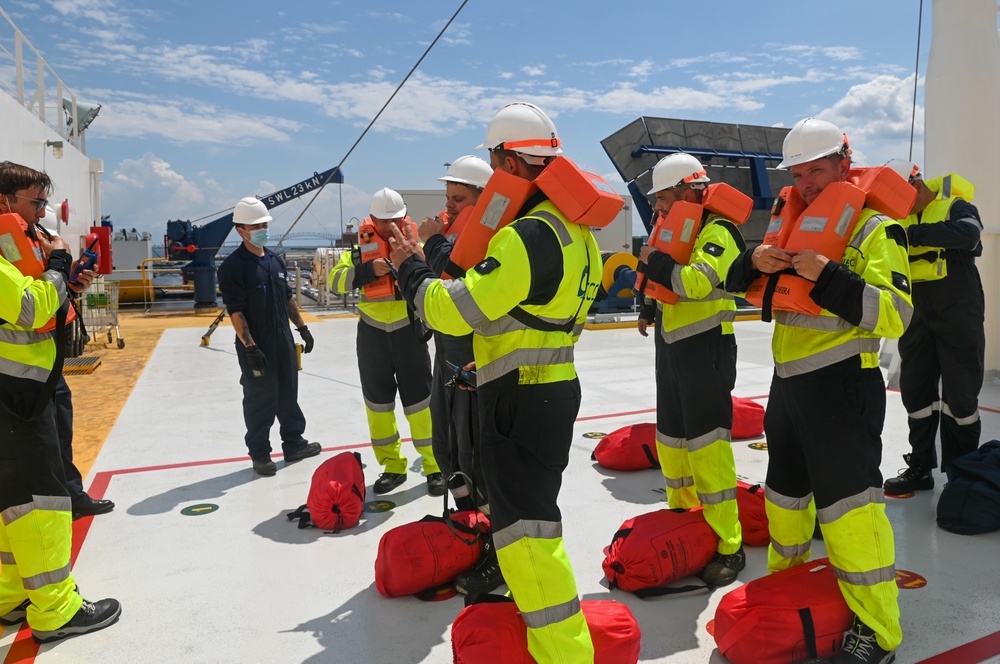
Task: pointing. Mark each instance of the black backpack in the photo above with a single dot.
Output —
(970, 502)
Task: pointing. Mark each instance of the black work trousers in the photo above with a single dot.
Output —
(944, 345)
(63, 398)
(526, 433)
(455, 418)
(275, 394)
(30, 459)
(824, 432)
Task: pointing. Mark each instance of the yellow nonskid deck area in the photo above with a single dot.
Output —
(209, 569)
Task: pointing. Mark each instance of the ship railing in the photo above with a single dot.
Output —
(36, 85)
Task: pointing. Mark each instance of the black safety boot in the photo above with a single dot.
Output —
(860, 647)
(265, 467)
(91, 617)
(484, 577)
(84, 505)
(309, 450)
(17, 614)
(722, 569)
(912, 478)
(435, 484)
(386, 482)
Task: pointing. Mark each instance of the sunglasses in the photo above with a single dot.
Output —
(40, 203)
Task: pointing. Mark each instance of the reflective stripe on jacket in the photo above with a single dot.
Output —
(703, 302)
(388, 314)
(804, 343)
(930, 263)
(26, 304)
(482, 300)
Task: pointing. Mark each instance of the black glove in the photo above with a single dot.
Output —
(307, 337)
(60, 261)
(257, 361)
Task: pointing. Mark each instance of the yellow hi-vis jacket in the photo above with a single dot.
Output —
(25, 304)
(804, 343)
(930, 263)
(703, 303)
(483, 300)
(387, 313)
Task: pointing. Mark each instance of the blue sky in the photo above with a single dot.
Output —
(206, 102)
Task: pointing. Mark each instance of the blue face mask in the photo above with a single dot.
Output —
(259, 237)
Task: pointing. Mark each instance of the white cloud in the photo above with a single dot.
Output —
(627, 99)
(185, 121)
(150, 183)
(840, 53)
(876, 117)
(641, 70)
(534, 70)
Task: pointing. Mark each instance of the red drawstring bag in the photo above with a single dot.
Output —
(789, 616)
(424, 554)
(652, 550)
(753, 516)
(493, 632)
(748, 418)
(629, 448)
(336, 495)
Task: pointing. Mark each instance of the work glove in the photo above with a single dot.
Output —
(307, 337)
(257, 361)
(60, 261)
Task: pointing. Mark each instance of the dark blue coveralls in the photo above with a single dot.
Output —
(257, 288)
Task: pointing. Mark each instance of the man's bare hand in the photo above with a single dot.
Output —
(641, 325)
(51, 244)
(404, 246)
(645, 252)
(429, 227)
(381, 267)
(84, 279)
(808, 264)
(769, 259)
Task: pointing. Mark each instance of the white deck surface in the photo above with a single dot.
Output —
(243, 584)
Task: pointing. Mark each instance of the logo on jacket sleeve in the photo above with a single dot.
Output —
(713, 249)
(901, 282)
(487, 266)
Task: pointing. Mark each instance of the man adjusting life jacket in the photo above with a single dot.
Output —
(683, 268)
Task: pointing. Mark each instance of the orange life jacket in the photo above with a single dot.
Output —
(453, 227)
(675, 233)
(25, 253)
(17, 246)
(826, 227)
(373, 246)
(583, 197)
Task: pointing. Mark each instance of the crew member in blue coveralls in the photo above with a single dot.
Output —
(259, 300)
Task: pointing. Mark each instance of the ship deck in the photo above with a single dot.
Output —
(209, 569)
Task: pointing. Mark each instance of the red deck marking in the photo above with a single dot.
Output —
(25, 649)
(977, 651)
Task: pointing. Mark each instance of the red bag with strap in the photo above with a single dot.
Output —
(336, 495)
(629, 448)
(753, 516)
(494, 633)
(652, 550)
(748, 418)
(789, 616)
(422, 555)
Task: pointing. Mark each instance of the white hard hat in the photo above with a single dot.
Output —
(470, 170)
(677, 169)
(523, 128)
(250, 211)
(387, 204)
(906, 169)
(811, 139)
